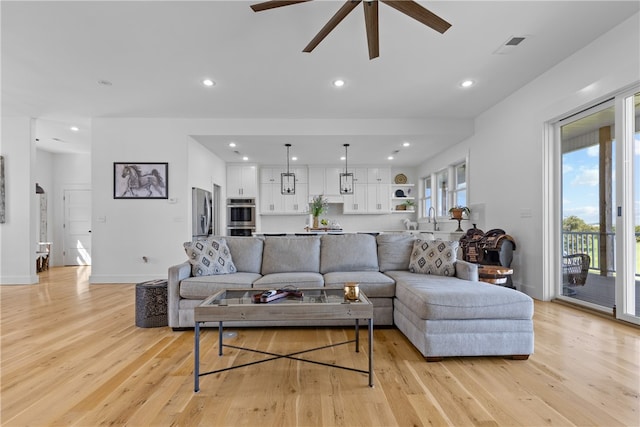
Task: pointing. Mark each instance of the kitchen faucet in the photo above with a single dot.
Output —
(435, 223)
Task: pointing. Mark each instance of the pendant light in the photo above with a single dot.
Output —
(346, 178)
(288, 179)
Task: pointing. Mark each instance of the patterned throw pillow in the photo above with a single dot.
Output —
(209, 257)
(433, 257)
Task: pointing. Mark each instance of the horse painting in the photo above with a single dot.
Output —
(135, 179)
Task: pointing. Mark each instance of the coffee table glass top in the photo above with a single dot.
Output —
(313, 296)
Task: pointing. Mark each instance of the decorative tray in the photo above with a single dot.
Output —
(400, 179)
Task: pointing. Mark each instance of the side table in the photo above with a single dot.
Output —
(495, 274)
(151, 304)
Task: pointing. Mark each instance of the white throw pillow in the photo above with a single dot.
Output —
(209, 257)
(436, 257)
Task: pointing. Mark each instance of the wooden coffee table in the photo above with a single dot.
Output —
(316, 304)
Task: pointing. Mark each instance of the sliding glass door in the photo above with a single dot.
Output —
(600, 207)
(628, 215)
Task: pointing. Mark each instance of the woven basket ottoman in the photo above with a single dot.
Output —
(151, 304)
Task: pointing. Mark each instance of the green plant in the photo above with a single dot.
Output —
(409, 203)
(319, 205)
(462, 209)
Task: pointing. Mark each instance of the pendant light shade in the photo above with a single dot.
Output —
(346, 178)
(288, 179)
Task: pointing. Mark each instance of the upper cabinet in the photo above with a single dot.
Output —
(379, 175)
(242, 181)
(324, 180)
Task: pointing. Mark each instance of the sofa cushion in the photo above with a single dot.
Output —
(373, 283)
(209, 257)
(290, 254)
(394, 251)
(348, 252)
(433, 257)
(205, 286)
(440, 297)
(246, 253)
(297, 280)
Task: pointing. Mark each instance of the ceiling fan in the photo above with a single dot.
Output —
(408, 7)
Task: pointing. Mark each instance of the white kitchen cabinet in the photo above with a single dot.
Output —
(297, 203)
(378, 200)
(379, 175)
(242, 181)
(271, 201)
(324, 181)
(356, 203)
(272, 174)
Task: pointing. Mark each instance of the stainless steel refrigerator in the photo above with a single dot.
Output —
(201, 213)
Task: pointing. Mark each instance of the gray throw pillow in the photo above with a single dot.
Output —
(209, 257)
(436, 257)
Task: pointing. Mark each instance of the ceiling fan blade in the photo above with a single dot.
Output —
(333, 22)
(259, 7)
(371, 24)
(419, 13)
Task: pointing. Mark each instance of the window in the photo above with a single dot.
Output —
(460, 185)
(427, 199)
(442, 191)
(445, 189)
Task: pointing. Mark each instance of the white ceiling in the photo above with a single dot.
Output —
(156, 54)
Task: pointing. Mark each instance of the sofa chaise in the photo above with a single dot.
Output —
(417, 285)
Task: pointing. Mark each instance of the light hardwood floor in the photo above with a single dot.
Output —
(72, 355)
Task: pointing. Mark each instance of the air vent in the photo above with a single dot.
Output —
(515, 41)
(509, 45)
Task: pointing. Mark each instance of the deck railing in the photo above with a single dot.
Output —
(575, 242)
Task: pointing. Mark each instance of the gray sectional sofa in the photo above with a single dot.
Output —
(449, 313)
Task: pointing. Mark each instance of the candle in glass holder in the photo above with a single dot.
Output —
(351, 291)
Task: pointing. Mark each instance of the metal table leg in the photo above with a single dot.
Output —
(220, 333)
(371, 352)
(196, 364)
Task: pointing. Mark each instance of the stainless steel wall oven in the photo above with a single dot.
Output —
(241, 216)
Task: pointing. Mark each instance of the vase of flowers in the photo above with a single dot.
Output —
(319, 205)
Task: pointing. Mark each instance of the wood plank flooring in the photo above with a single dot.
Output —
(72, 355)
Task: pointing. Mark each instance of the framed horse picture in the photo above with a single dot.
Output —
(140, 180)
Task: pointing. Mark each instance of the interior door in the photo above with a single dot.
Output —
(77, 227)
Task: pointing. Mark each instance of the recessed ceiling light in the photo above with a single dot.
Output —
(406, 144)
(338, 83)
(208, 82)
(294, 158)
(245, 158)
(343, 158)
(390, 158)
(74, 128)
(232, 144)
(467, 83)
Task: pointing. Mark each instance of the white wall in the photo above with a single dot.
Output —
(18, 236)
(126, 230)
(506, 151)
